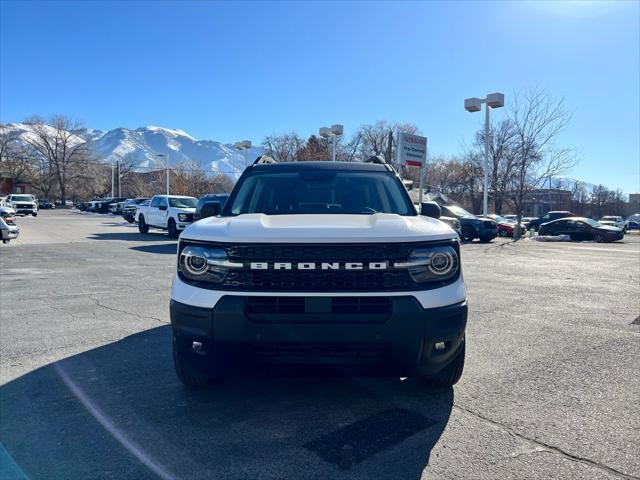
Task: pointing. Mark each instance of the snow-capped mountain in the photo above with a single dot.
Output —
(150, 147)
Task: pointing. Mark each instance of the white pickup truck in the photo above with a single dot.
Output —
(173, 213)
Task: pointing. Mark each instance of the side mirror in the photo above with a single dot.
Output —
(162, 207)
(430, 209)
(210, 209)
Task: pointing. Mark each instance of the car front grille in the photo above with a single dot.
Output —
(294, 280)
(318, 305)
(24, 205)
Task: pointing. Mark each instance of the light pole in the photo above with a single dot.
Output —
(166, 164)
(243, 145)
(332, 132)
(473, 104)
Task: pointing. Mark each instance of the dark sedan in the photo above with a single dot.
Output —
(581, 229)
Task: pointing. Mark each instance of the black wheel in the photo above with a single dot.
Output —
(450, 375)
(5, 241)
(129, 219)
(142, 225)
(35, 214)
(173, 231)
(468, 234)
(186, 373)
(485, 239)
(503, 233)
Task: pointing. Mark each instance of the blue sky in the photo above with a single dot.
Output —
(242, 70)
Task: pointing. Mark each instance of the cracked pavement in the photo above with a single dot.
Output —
(87, 388)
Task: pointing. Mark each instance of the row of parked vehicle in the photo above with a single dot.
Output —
(554, 223)
(172, 213)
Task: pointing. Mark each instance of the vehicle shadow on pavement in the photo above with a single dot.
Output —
(159, 248)
(118, 411)
(129, 236)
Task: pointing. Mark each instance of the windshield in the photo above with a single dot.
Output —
(183, 202)
(319, 191)
(609, 219)
(21, 198)
(458, 211)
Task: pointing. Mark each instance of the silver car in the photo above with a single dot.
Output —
(8, 228)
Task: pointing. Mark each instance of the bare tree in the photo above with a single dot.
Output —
(502, 156)
(374, 139)
(65, 155)
(283, 148)
(538, 120)
(13, 159)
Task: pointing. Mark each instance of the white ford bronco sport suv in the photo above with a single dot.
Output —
(172, 213)
(319, 263)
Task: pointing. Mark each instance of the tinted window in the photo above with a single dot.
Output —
(155, 202)
(320, 191)
(186, 202)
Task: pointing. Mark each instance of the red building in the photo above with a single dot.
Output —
(10, 185)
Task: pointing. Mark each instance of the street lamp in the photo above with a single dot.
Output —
(166, 165)
(473, 104)
(244, 145)
(332, 132)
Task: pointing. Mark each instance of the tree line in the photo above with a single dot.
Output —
(525, 154)
(60, 165)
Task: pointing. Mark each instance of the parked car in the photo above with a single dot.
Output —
(173, 213)
(616, 221)
(130, 206)
(103, 206)
(210, 205)
(633, 222)
(326, 263)
(22, 203)
(548, 217)
(8, 228)
(46, 204)
(432, 209)
(581, 229)
(471, 227)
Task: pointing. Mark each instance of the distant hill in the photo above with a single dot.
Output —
(142, 146)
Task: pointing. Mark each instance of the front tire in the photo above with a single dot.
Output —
(35, 214)
(450, 375)
(173, 230)
(142, 225)
(186, 373)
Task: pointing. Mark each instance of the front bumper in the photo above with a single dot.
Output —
(9, 233)
(401, 343)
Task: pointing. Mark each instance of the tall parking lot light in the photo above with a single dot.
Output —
(473, 104)
(243, 145)
(332, 132)
(166, 167)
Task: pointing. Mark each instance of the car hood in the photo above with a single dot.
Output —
(609, 228)
(184, 210)
(261, 228)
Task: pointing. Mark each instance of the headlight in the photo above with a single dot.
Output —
(204, 264)
(183, 217)
(432, 264)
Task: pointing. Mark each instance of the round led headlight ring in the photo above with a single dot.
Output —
(441, 263)
(194, 262)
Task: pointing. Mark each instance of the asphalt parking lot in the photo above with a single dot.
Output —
(551, 386)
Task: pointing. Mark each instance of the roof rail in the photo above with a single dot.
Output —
(262, 159)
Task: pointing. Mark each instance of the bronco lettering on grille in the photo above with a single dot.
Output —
(318, 265)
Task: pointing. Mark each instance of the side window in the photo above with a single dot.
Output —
(163, 202)
(155, 202)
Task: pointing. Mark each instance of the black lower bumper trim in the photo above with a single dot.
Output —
(403, 342)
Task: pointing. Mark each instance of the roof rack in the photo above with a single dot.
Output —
(262, 159)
